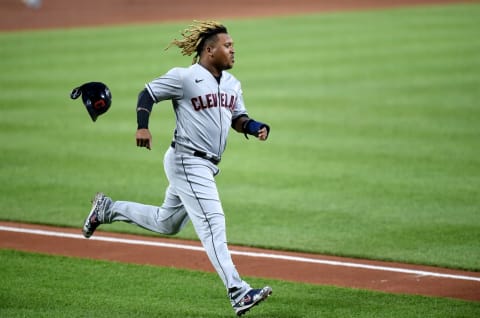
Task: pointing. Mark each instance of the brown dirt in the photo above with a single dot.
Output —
(14, 15)
(286, 269)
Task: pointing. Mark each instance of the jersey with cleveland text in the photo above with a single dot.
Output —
(204, 107)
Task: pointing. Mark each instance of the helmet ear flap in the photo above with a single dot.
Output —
(76, 92)
(96, 97)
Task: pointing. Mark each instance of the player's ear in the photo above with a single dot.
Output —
(209, 50)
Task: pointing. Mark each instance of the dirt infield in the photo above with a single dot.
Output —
(316, 269)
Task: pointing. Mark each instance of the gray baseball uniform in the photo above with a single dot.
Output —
(204, 109)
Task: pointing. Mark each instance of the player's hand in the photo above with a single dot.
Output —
(144, 138)
(263, 134)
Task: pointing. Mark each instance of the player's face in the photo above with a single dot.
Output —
(223, 53)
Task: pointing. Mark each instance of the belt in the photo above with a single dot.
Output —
(201, 154)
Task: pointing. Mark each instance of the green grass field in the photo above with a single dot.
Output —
(374, 150)
(64, 287)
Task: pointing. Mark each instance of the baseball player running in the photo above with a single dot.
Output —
(207, 101)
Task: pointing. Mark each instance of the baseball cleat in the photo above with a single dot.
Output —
(92, 222)
(251, 299)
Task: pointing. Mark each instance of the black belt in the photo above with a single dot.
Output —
(201, 154)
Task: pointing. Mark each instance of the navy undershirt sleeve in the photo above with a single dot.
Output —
(144, 108)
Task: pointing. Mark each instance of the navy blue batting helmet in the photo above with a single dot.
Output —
(96, 97)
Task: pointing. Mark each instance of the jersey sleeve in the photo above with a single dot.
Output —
(168, 86)
(239, 109)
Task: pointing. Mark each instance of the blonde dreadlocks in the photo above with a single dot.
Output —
(195, 35)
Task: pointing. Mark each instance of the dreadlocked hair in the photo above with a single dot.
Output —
(195, 35)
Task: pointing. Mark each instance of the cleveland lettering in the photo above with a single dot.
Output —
(211, 100)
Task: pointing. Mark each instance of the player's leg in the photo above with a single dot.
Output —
(198, 191)
(167, 219)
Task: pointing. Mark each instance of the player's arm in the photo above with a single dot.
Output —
(248, 126)
(144, 108)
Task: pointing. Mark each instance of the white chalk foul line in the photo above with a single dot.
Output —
(249, 254)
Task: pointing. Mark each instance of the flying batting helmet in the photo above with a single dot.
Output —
(96, 96)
